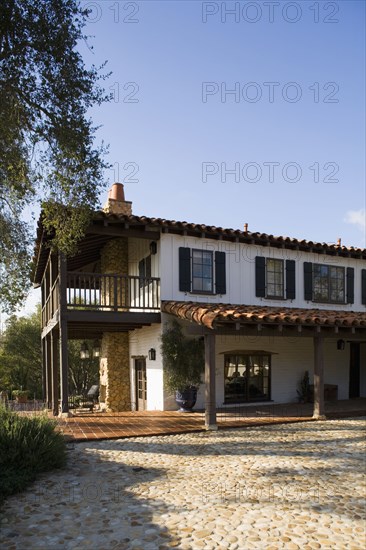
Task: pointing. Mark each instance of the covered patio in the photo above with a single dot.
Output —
(213, 320)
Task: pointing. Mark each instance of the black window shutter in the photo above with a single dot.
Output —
(290, 280)
(308, 280)
(260, 276)
(220, 272)
(184, 269)
(363, 282)
(350, 285)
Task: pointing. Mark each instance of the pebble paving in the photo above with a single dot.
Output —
(294, 486)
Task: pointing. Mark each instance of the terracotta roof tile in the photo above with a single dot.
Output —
(208, 314)
(259, 238)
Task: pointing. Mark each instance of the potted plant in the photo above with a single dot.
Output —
(183, 361)
(303, 391)
(21, 396)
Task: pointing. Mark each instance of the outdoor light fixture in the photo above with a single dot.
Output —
(153, 247)
(341, 344)
(152, 354)
(84, 351)
(96, 349)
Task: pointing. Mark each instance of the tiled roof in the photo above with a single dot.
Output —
(101, 219)
(262, 239)
(208, 314)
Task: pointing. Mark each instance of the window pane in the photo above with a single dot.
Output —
(202, 271)
(247, 378)
(328, 283)
(275, 277)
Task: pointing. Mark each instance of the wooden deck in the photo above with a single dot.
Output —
(92, 426)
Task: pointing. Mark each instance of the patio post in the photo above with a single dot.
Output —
(64, 374)
(54, 373)
(318, 411)
(44, 370)
(210, 382)
(47, 351)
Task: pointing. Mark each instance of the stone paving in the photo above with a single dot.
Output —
(291, 486)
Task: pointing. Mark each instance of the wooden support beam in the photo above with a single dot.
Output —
(44, 371)
(54, 372)
(319, 411)
(210, 382)
(47, 361)
(64, 370)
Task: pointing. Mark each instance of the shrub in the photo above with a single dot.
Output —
(28, 446)
(183, 359)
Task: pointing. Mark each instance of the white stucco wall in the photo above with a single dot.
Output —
(141, 340)
(291, 358)
(240, 273)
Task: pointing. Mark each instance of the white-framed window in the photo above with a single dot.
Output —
(202, 271)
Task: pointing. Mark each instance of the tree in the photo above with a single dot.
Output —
(183, 358)
(47, 140)
(20, 354)
(83, 373)
(21, 358)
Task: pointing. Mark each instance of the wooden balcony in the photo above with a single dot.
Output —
(98, 292)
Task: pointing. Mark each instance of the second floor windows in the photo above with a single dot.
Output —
(275, 278)
(202, 271)
(145, 270)
(328, 283)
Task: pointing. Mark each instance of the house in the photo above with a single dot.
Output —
(269, 308)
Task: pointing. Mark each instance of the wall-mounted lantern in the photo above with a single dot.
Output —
(152, 354)
(96, 348)
(84, 351)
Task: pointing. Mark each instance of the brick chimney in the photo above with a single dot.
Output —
(116, 203)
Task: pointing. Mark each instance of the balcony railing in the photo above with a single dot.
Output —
(51, 304)
(95, 291)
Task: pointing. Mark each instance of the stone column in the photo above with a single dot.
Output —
(114, 261)
(115, 382)
(115, 372)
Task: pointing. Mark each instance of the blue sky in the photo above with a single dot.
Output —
(182, 132)
(292, 132)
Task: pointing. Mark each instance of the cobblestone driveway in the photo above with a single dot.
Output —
(282, 486)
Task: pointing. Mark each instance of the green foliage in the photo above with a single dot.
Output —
(21, 359)
(47, 150)
(83, 373)
(28, 446)
(20, 355)
(183, 359)
(303, 391)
